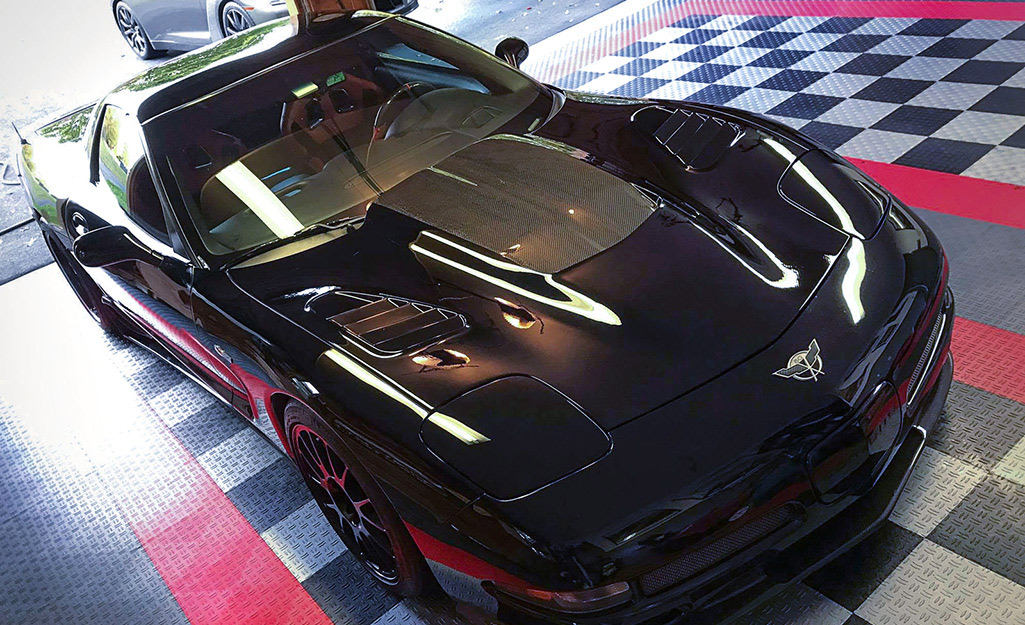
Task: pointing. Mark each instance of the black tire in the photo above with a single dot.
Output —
(87, 291)
(133, 32)
(335, 495)
(235, 19)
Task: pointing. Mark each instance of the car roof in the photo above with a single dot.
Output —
(199, 73)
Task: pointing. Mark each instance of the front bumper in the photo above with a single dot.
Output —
(724, 593)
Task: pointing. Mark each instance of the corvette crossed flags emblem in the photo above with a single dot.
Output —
(804, 365)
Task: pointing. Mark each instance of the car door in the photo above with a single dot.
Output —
(177, 22)
(157, 297)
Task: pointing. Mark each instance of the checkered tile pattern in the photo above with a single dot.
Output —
(940, 94)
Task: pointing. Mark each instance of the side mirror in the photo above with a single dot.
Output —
(512, 50)
(111, 245)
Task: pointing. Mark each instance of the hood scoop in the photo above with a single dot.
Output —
(387, 325)
(698, 140)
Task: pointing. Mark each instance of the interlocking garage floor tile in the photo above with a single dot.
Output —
(347, 593)
(797, 605)
(978, 427)
(305, 541)
(852, 577)
(935, 585)
(988, 527)
(238, 458)
(1003, 164)
(203, 430)
(419, 612)
(36, 463)
(181, 401)
(155, 379)
(986, 262)
(1012, 466)
(117, 589)
(281, 478)
(938, 484)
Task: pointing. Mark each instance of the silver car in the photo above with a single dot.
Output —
(152, 27)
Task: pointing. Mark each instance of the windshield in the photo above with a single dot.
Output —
(318, 138)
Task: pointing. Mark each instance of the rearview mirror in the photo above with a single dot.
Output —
(512, 50)
(111, 245)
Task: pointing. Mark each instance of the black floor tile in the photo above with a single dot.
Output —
(1017, 34)
(852, 577)
(855, 43)
(576, 79)
(792, 80)
(916, 120)
(709, 73)
(769, 40)
(347, 593)
(805, 105)
(698, 36)
(977, 426)
(933, 27)
(944, 155)
(703, 54)
(898, 90)
(833, 135)
(984, 72)
(956, 48)
(1006, 100)
(762, 22)
(872, 64)
(639, 87)
(780, 58)
(1017, 140)
(840, 25)
(988, 527)
(282, 479)
(718, 94)
(638, 48)
(637, 67)
(208, 428)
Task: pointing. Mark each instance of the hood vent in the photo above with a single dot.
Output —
(389, 325)
(696, 139)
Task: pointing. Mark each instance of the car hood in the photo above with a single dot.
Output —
(544, 259)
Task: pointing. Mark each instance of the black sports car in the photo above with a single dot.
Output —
(577, 359)
(152, 27)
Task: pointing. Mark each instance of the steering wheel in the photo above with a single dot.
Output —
(413, 89)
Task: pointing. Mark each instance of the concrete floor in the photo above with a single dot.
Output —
(83, 56)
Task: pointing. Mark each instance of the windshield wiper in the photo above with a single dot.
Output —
(308, 231)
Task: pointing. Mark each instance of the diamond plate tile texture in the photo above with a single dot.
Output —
(798, 605)
(988, 527)
(852, 577)
(1012, 466)
(915, 92)
(305, 541)
(347, 593)
(935, 585)
(937, 485)
(986, 263)
(978, 427)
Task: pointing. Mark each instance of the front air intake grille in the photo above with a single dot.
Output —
(696, 139)
(705, 556)
(927, 359)
(393, 325)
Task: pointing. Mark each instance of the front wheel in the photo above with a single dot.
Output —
(356, 507)
(134, 33)
(235, 19)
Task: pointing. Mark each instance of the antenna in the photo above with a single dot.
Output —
(17, 132)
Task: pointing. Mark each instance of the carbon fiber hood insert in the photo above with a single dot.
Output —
(535, 202)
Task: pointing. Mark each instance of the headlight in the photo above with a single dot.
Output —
(575, 601)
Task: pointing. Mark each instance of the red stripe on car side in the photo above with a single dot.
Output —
(989, 358)
(462, 561)
(985, 200)
(218, 568)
